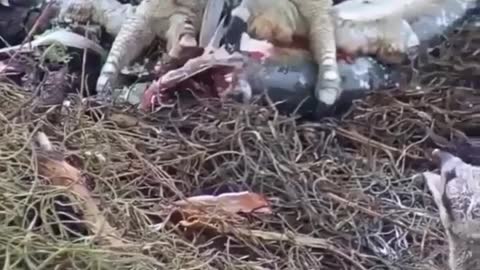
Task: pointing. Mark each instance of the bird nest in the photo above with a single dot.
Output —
(340, 191)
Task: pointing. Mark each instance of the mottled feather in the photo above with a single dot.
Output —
(457, 195)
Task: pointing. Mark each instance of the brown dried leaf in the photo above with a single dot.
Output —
(210, 223)
(51, 165)
(218, 214)
(235, 202)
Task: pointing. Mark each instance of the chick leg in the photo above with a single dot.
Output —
(135, 34)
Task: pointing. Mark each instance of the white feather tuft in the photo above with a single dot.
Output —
(374, 10)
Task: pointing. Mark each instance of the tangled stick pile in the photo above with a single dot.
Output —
(341, 191)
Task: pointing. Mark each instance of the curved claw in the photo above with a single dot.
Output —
(327, 95)
(328, 87)
(322, 110)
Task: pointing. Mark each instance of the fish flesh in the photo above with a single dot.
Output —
(286, 76)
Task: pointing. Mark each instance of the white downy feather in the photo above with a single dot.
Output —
(369, 37)
(380, 26)
(374, 10)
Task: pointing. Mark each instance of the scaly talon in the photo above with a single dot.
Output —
(328, 91)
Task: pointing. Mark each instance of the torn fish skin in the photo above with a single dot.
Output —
(288, 77)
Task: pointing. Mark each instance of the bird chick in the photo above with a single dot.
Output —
(456, 192)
